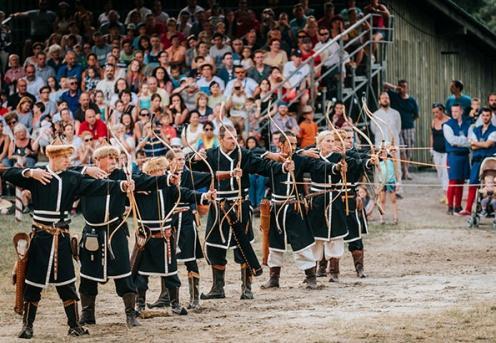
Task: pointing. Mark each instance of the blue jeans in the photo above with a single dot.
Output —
(257, 189)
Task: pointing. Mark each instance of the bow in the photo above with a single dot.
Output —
(343, 157)
(238, 165)
(291, 174)
(212, 179)
(132, 200)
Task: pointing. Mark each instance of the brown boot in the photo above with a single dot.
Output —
(358, 261)
(194, 290)
(246, 278)
(322, 268)
(311, 278)
(217, 290)
(334, 269)
(273, 281)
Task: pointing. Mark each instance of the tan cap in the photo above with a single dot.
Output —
(155, 164)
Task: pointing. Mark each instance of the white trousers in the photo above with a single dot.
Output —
(440, 159)
(328, 249)
(304, 259)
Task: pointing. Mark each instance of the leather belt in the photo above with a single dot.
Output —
(55, 232)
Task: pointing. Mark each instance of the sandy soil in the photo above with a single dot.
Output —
(430, 279)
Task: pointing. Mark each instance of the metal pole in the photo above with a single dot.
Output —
(340, 70)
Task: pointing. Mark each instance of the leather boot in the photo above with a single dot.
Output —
(194, 290)
(129, 303)
(358, 261)
(174, 302)
(140, 300)
(311, 278)
(334, 269)
(273, 281)
(217, 290)
(163, 299)
(246, 278)
(322, 271)
(87, 309)
(71, 311)
(28, 320)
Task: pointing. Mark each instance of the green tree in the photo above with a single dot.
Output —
(487, 14)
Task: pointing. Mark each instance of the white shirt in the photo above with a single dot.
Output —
(330, 55)
(298, 76)
(34, 86)
(108, 88)
(249, 86)
(204, 85)
(393, 120)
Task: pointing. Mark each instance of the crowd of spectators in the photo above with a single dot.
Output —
(91, 78)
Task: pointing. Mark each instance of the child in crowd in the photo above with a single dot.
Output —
(308, 127)
(253, 117)
(488, 202)
(91, 80)
(144, 97)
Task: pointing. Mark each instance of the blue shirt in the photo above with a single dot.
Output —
(464, 100)
(65, 71)
(72, 101)
(408, 109)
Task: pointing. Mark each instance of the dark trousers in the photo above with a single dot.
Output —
(122, 286)
(218, 256)
(170, 281)
(192, 266)
(66, 292)
(355, 245)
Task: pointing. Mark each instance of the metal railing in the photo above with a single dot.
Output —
(347, 49)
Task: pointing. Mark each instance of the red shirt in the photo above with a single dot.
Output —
(99, 130)
(306, 55)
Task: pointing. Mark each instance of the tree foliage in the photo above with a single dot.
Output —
(483, 10)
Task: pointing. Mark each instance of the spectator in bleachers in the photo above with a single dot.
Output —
(260, 70)
(163, 79)
(23, 150)
(94, 125)
(43, 70)
(247, 58)
(14, 72)
(350, 6)
(207, 78)
(4, 145)
(299, 20)
(276, 57)
(216, 94)
(218, 49)
(55, 59)
(456, 97)
(34, 83)
(236, 105)
(237, 46)
(325, 21)
(208, 139)
(226, 73)
(283, 120)
(140, 10)
(202, 107)
(41, 21)
(192, 9)
(71, 96)
(70, 138)
(22, 92)
(70, 68)
(24, 111)
(308, 127)
(193, 131)
(379, 20)
(50, 106)
(249, 85)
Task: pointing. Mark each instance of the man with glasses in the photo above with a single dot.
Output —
(248, 84)
(50, 106)
(72, 95)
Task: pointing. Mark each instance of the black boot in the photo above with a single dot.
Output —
(163, 299)
(87, 309)
(273, 281)
(322, 271)
(358, 261)
(71, 311)
(129, 303)
(334, 269)
(246, 277)
(311, 278)
(28, 319)
(174, 302)
(140, 300)
(217, 290)
(194, 290)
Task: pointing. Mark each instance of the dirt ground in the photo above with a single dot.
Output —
(430, 279)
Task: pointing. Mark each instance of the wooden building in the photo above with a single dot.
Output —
(435, 41)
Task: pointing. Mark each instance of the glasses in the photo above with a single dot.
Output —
(324, 33)
(144, 114)
(12, 122)
(45, 92)
(88, 139)
(209, 129)
(300, 37)
(240, 72)
(73, 83)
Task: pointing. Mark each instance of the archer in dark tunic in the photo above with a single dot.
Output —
(50, 255)
(220, 233)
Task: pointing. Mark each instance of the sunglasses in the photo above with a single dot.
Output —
(88, 139)
(324, 33)
(208, 129)
(144, 114)
(300, 37)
